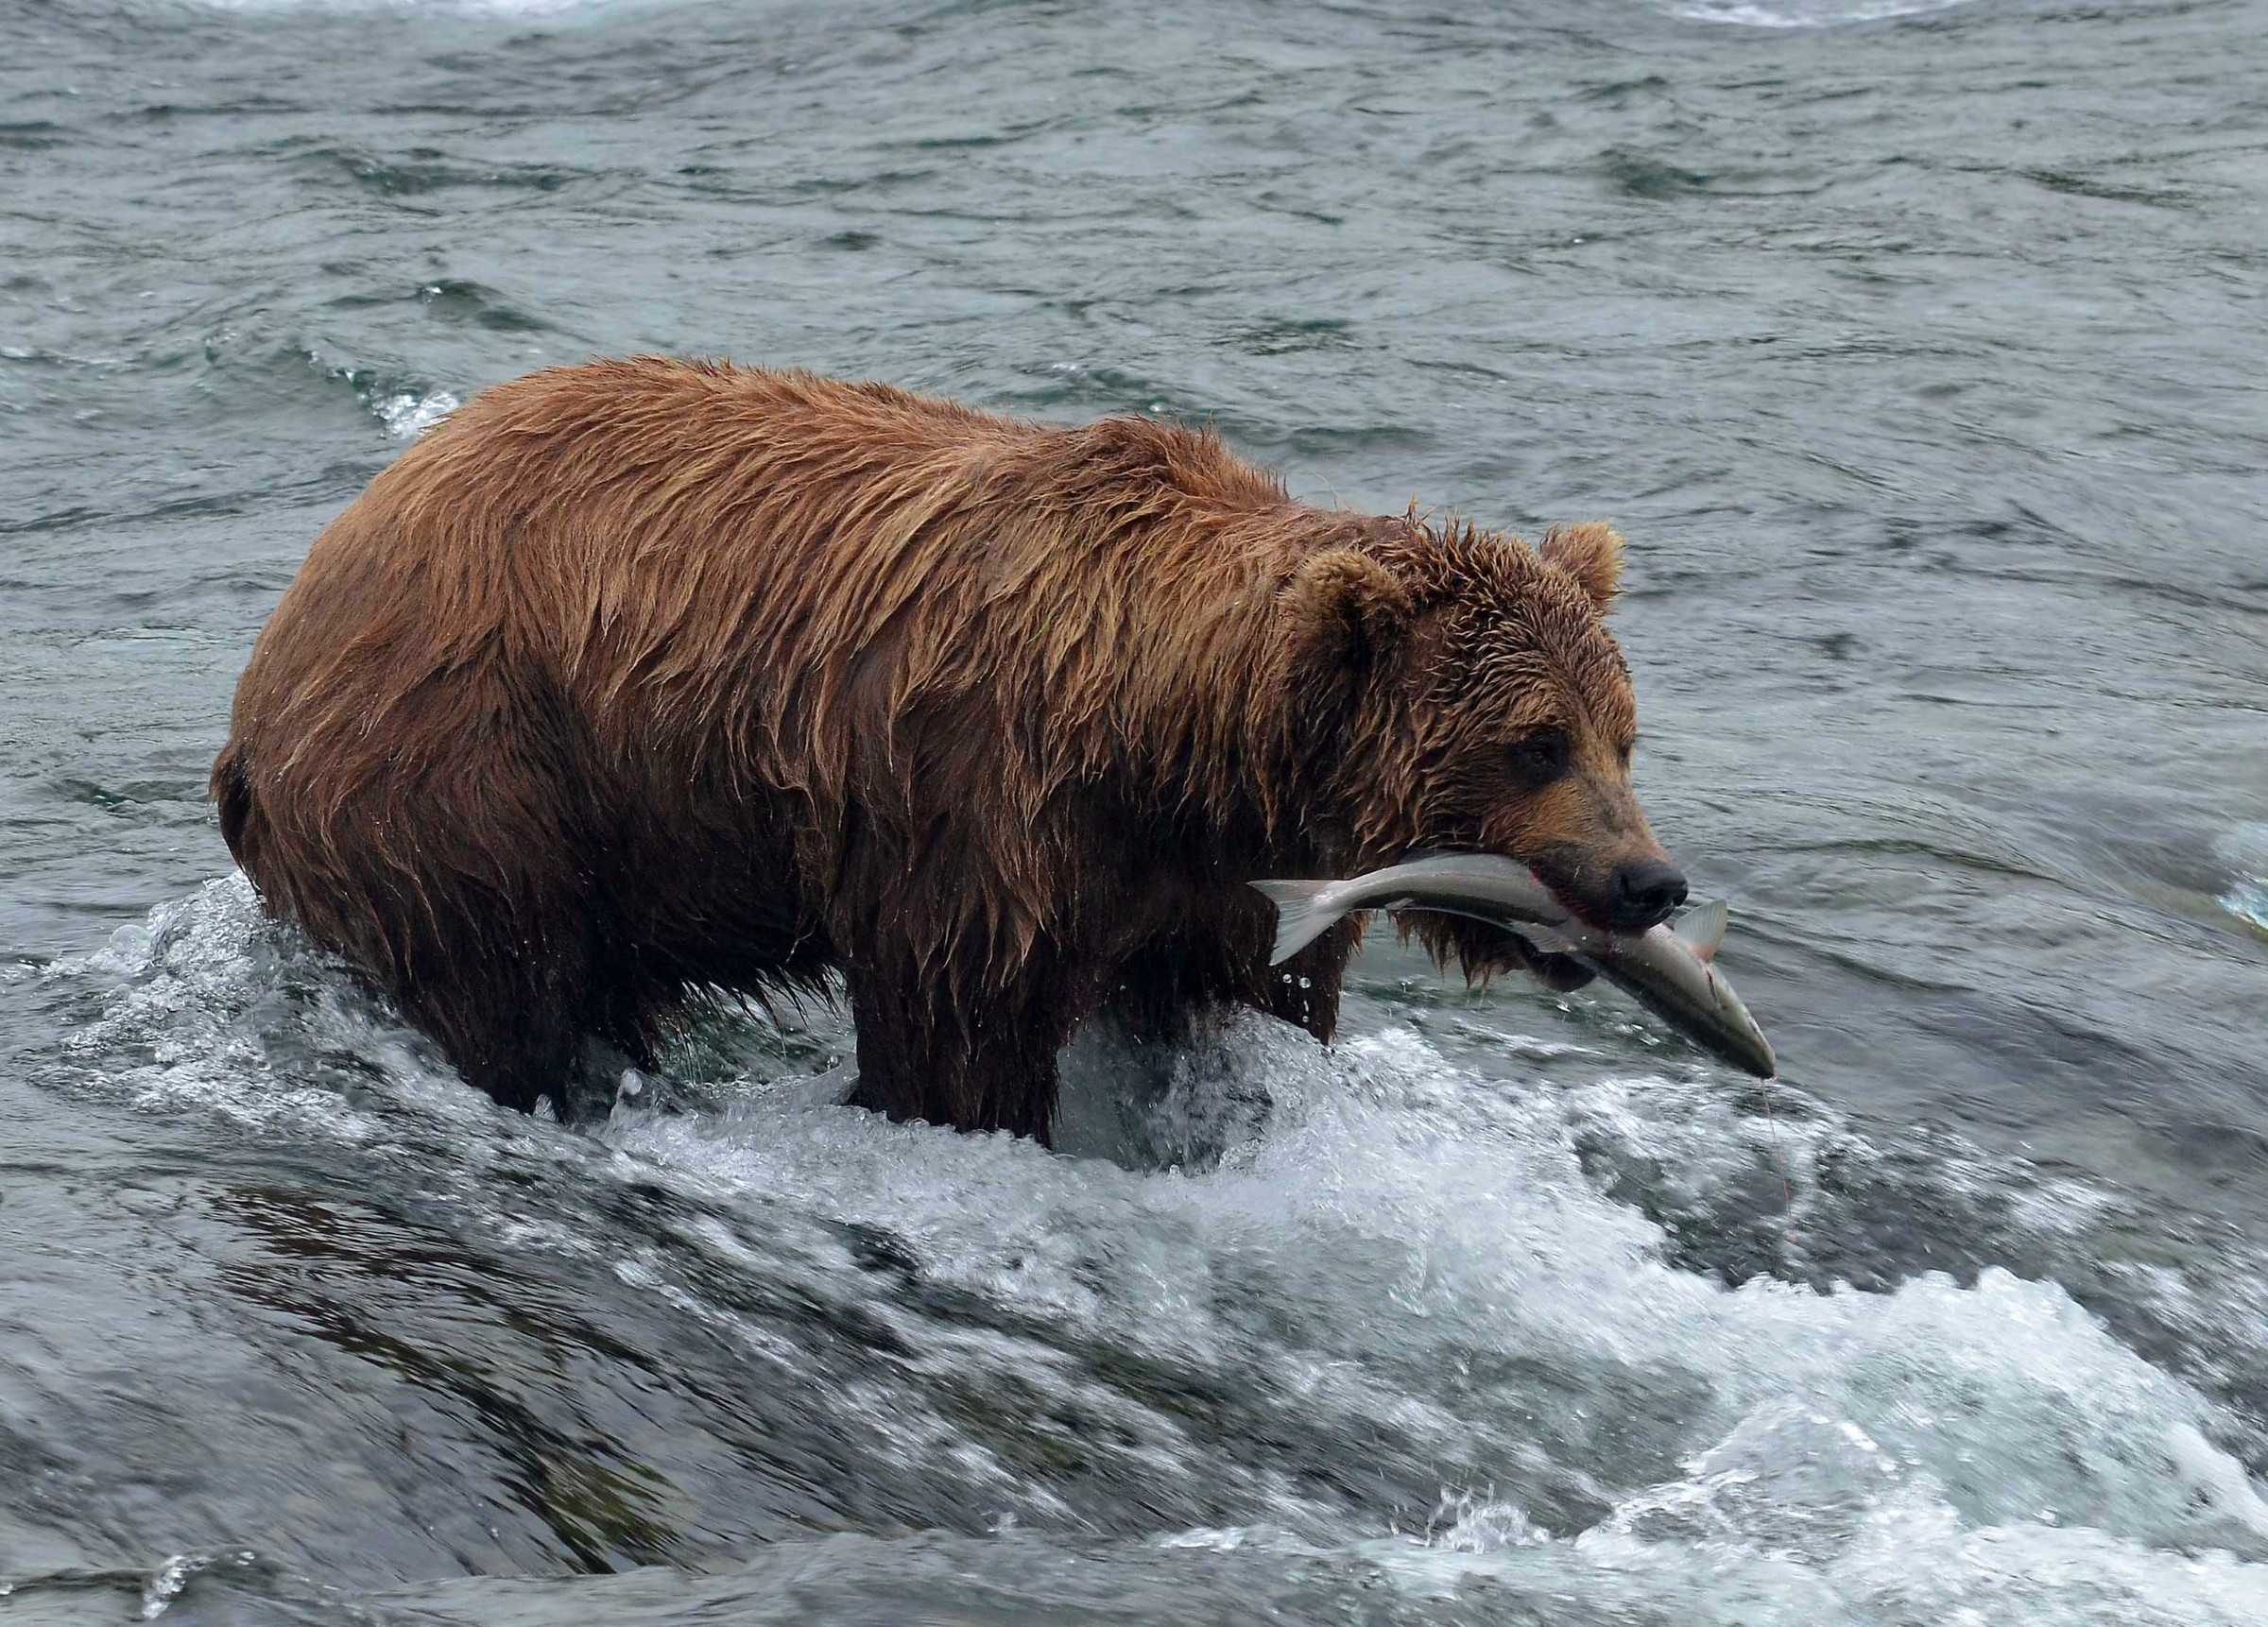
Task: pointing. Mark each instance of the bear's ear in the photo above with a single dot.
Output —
(1345, 610)
(1591, 553)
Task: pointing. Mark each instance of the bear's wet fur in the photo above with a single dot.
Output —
(639, 681)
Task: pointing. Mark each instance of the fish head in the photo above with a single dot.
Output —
(1501, 719)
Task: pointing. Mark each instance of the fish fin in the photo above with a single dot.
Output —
(1543, 939)
(1299, 919)
(1703, 928)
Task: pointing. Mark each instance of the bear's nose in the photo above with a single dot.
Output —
(1646, 892)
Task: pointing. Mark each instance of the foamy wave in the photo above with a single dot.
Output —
(473, 8)
(409, 415)
(1379, 1247)
(408, 407)
(218, 1010)
(2249, 900)
(1803, 13)
(1400, 1215)
(1915, 1559)
(2245, 849)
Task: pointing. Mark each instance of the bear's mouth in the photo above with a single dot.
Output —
(1554, 878)
(1599, 907)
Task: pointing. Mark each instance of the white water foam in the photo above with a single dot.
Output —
(203, 985)
(409, 414)
(1429, 1211)
(2246, 850)
(1396, 1248)
(546, 9)
(407, 408)
(1803, 13)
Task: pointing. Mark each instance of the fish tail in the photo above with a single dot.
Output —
(1300, 917)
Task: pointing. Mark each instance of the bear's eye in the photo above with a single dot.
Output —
(1539, 757)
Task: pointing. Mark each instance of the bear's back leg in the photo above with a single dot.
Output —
(497, 967)
(512, 1027)
(436, 842)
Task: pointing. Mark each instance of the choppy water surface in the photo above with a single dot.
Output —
(1920, 351)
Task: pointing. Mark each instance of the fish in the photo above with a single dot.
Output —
(1666, 969)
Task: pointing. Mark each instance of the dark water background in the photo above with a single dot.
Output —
(1921, 357)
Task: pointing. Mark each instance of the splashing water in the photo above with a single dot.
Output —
(409, 415)
(2246, 850)
(1401, 1322)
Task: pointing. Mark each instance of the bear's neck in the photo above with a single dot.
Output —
(1219, 741)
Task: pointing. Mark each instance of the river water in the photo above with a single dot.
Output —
(1920, 351)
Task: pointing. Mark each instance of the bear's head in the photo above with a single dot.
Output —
(1466, 695)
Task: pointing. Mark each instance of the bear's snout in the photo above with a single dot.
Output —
(1643, 894)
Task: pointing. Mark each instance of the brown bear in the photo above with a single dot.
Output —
(642, 681)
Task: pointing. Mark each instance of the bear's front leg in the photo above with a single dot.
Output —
(975, 1060)
(1305, 989)
(1222, 959)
